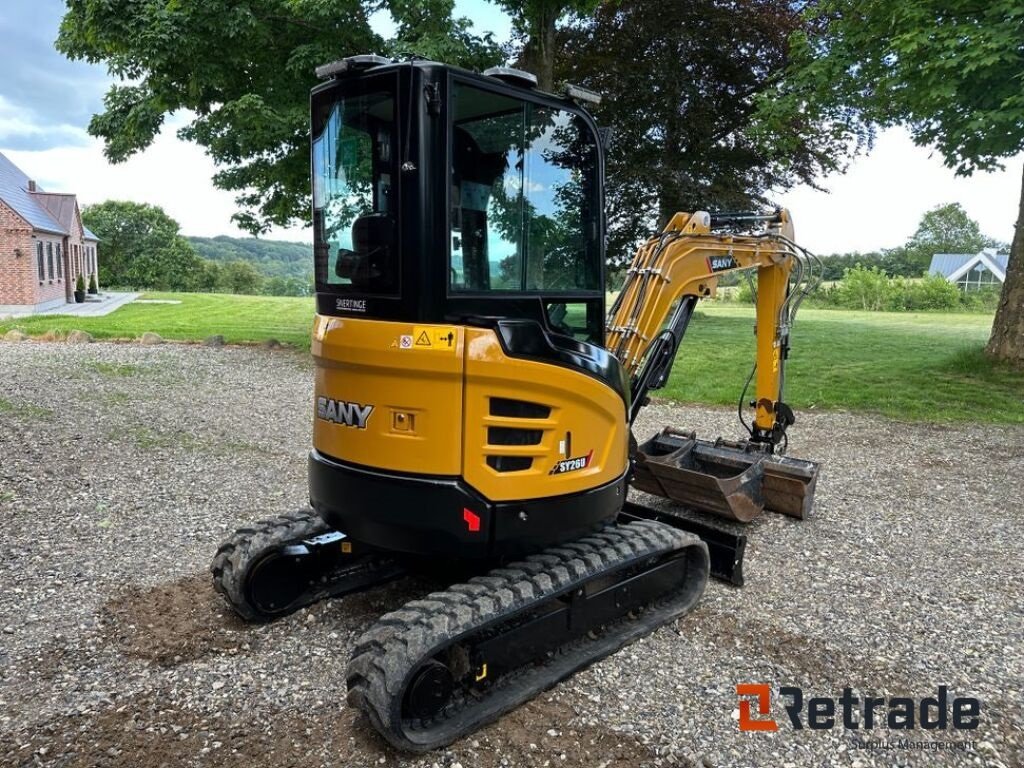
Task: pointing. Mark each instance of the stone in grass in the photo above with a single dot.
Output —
(79, 337)
(15, 334)
(271, 344)
(214, 341)
(151, 338)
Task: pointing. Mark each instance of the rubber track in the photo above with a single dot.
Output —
(247, 545)
(385, 657)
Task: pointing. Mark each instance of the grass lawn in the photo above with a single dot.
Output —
(237, 318)
(919, 366)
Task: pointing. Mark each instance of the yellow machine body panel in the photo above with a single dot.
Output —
(582, 443)
(433, 400)
(415, 393)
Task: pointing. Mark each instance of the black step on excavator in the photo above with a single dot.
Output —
(474, 401)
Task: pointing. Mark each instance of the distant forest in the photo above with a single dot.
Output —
(273, 258)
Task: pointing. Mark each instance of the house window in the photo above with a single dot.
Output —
(49, 258)
(977, 278)
(39, 262)
(60, 267)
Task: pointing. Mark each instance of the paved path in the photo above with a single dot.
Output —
(111, 301)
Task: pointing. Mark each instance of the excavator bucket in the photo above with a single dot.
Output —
(733, 480)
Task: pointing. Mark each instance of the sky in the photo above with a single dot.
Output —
(46, 102)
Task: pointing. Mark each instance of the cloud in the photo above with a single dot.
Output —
(21, 129)
(171, 173)
(879, 202)
(39, 82)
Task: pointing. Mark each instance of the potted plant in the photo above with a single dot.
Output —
(79, 289)
(93, 287)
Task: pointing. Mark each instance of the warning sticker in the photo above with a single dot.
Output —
(405, 342)
(436, 338)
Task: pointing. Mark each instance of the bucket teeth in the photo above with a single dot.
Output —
(735, 481)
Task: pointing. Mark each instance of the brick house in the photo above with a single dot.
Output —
(43, 244)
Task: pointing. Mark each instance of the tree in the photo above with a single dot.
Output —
(141, 246)
(245, 69)
(944, 229)
(949, 70)
(427, 28)
(239, 277)
(535, 23)
(681, 108)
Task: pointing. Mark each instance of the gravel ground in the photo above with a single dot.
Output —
(123, 466)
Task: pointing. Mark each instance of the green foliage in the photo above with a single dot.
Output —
(950, 70)
(79, 282)
(865, 288)
(287, 286)
(273, 258)
(985, 300)
(239, 277)
(535, 24)
(141, 246)
(943, 229)
(930, 292)
(679, 94)
(427, 28)
(93, 287)
(244, 69)
(868, 288)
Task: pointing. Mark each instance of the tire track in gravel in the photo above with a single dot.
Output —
(153, 730)
(172, 623)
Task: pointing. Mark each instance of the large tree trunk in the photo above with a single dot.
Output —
(538, 54)
(1007, 340)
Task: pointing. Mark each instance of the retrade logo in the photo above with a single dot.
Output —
(937, 712)
(764, 705)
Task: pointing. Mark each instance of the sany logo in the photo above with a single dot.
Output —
(343, 412)
(720, 263)
(821, 713)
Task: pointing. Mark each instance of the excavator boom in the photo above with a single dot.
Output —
(669, 274)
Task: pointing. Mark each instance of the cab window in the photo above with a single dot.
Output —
(523, 197)
(355, 194)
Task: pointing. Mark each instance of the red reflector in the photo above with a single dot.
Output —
(472, 520)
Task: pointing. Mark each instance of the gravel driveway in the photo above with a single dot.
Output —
(123, 466)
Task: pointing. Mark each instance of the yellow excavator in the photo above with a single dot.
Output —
(474, 401)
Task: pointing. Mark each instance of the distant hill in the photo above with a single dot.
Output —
(273, 258)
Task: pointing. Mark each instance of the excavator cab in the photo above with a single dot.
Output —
(441, 194)
(465, 404)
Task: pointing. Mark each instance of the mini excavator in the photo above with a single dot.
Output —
(474, 402)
